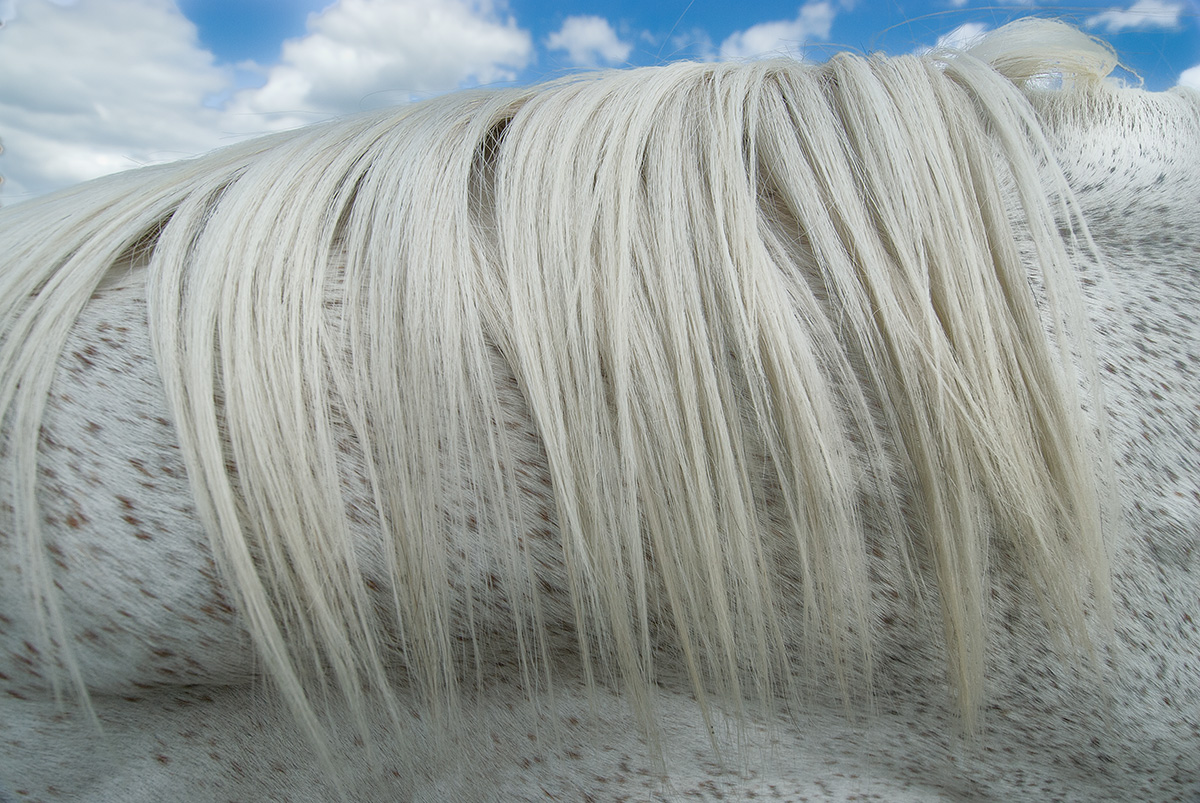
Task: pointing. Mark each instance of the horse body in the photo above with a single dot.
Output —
(185, 709)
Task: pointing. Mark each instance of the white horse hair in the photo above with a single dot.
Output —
(640, 377)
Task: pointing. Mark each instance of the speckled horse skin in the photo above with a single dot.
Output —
(181, 705)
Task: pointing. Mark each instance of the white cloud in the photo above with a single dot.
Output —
(367, 53)
(1142, 15)
(963, 36)
(92, 88)
(694, 43)
(89, 88)
(783, 37)
(1190, 77)
(589, 42)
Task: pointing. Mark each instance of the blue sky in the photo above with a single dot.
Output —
(88, 87)
(1159, 39)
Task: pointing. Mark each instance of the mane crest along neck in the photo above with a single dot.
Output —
(763, 319)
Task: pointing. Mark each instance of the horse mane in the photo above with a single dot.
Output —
(760, 316)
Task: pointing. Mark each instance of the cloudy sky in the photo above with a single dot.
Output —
(88, 87)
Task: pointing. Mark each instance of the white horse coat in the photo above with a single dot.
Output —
(709, 431)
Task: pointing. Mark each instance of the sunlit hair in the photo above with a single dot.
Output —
(761, 318)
